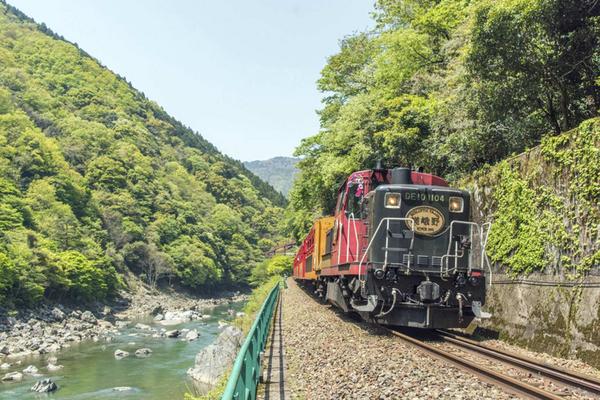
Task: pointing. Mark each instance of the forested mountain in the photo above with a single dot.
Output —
(279, 172)
(97, 180)
(449, 85)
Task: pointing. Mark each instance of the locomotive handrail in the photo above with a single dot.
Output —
(339, 237)
(488, 226)
(456, 255)
(483, 234)
(351, 217)
(483, 238)
(388, 219)
(244, 376)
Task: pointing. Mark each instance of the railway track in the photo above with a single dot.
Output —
(586, 387)
(556, 374)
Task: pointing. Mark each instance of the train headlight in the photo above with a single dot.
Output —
(392, 200)
(456, 204)
(474, 281)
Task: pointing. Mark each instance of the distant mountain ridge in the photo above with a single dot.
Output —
(279, 172)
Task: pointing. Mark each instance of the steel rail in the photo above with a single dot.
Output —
(574, 379)
(512, 385)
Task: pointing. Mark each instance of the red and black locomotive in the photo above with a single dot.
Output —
(399, 250)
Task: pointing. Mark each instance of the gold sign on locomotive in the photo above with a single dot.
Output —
(428, 220)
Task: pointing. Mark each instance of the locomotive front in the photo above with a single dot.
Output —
(423, 265)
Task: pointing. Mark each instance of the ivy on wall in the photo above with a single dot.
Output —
(545, 205)
(578, 155)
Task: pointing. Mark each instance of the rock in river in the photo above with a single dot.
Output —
(53, 367)
(143, 352)
(173, 318)
(121, 354)
(122, 389)
(53, 348)
(191, 335)
(214, 360)
(222, 324)
(87, 316)
(121, 324)
(12, 376)
(172, 334)
(44, 386)
(31, 370)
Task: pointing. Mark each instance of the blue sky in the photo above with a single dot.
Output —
(242, 73)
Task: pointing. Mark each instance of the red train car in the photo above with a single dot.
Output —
(400, 251)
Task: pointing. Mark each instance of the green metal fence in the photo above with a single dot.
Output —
(244, 376)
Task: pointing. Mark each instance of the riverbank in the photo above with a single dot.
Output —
(139, 362)
(51, 328)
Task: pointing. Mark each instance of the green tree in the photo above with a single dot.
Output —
(448, 85)
(276, 266)
(194, 262)
(8, 277)
(74, 275)
(95, 178)
(543, 56)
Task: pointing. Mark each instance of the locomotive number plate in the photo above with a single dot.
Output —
(428, 220)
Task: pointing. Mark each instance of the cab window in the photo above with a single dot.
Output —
(355, 197)
(340, 202)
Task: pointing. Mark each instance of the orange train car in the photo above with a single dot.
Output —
(308, 260)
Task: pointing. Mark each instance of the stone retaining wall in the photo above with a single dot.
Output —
(544, 207)
(562, 321)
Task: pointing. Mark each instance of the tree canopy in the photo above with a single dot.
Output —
(448, 85)
(96, 180)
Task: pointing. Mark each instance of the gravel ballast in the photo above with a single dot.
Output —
(331, 357)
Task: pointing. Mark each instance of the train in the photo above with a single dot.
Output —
(400, 249)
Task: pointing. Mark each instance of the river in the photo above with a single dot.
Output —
(92, 372)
